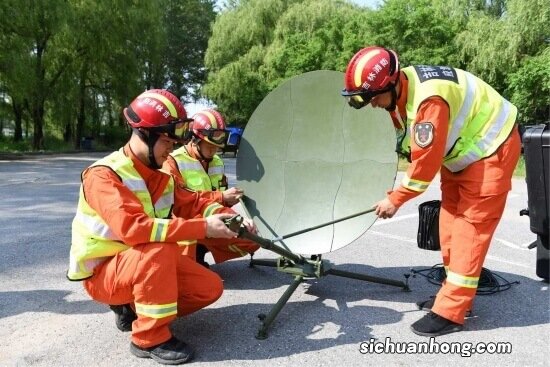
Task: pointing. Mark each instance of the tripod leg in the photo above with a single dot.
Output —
(263, 262)
(267, 320)
(368, 278)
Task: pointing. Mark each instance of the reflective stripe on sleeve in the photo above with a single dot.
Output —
(210, 209)
(160, 228)
(415, 185)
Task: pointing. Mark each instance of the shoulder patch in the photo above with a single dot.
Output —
(423, 134)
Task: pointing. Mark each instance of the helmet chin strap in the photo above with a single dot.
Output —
(393, 103)
(150, 139)
(198, 148)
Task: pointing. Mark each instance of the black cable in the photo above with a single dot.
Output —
(489, 282)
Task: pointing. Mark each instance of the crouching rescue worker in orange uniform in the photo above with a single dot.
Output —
(129, 219)
(202, 169)
(447, 119)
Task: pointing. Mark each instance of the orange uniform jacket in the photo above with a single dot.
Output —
(425, 162)
(118, 206)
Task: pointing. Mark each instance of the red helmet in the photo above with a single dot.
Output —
(209, 125)
(371, 71)
(159, 111)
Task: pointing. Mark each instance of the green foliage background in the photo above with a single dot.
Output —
(68, 67)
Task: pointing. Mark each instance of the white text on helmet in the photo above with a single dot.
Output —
(157, 106)
(375, 71)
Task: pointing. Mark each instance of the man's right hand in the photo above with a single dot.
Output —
(216, 228)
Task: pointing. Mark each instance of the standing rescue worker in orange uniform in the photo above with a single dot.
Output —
(129, 218)
(202, 169)
(447, 119)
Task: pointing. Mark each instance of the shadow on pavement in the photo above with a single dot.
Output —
(228, 333)
(18, 302)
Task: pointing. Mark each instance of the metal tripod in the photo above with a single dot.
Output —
(301, 268)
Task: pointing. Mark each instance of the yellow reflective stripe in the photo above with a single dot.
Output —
(185, 165)
(165, 202)
(415, 185)
(169, 105)
(210, 209)
(237, 249)
(357, 80)
(479, 150)
(160, 228)
(212, 119)
(135, 184)
(187, 242)
(463, 113)
(461, 280)
(216, 170)
(95, 226)
(157, 311)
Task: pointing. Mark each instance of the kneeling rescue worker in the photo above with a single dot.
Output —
(201, 169)
(446, 119)
(131, 216)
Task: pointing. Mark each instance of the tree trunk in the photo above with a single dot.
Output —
(67, 132)
(81, 115)
(38, 124)
(18, 119)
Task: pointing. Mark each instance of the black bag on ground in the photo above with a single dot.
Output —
(428, 225)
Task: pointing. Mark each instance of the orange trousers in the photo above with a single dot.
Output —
(155, 276)
(472, 204)
(223, 249)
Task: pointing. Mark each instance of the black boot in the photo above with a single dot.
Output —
(201, 252)
(124, 316)
(428, 304)
(172, 351)
(434, 325)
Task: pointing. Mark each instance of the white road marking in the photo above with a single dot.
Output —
(494, 258)
(392, 236)
(394, 219)
(405, 239)
(512, 245)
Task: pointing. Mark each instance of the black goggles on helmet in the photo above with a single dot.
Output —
(216, 136)
(176, 129)
(361, 98)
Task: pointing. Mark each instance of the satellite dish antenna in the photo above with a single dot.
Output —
(307, 158)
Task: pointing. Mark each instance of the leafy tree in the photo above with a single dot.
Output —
(240, 37)
(256, 45)
(35, 26)
(188, 28)
(529, 88)
(421, 31)
(312, 36)
(496, 46)
(76, 63)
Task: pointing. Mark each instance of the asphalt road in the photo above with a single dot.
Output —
(46, 320)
